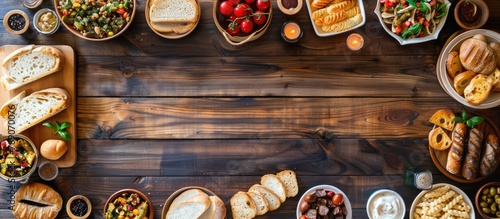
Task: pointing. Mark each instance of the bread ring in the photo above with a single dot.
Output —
(36, 200)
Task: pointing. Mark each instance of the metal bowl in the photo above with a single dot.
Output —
(22, 179)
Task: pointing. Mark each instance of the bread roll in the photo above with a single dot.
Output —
(53, 149)
(477, 56)
(456, 152)
(35, 201)
(490, 160)
(473, 156)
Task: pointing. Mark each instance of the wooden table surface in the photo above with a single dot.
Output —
(157, 115)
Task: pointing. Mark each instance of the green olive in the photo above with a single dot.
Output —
(484, 198)
(483, 204)
(485, 191)
(489, 200)
(493, 191)
(498, 214)
(493, 207)
(486, 210)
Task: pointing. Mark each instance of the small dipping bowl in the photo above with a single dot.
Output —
(78, 207)
(32, 4)
(16, 22)
(290, 7)
(48, 170)
(46, 21)
(385, 203)
(464, 18)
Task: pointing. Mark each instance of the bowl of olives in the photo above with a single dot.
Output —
(324, 201)
(488, 200)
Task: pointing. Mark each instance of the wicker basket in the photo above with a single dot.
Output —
(221, 23)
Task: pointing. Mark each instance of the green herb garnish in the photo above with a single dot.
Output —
(60, 128)
(475, 120)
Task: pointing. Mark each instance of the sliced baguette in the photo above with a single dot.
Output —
(439, 140)
(443, 118)
(453, 65)
(191, 208)
(261, 205)
(461, 81)
(242, 206)
(273, 183)
(174, 11)
(272, 199)
(36, 108)
(478, 89)
(29, 64)
(289, 179)
(496, 79)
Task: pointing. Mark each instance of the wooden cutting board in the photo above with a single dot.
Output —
(65, 79)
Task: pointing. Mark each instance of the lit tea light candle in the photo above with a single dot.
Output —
(355, 41)
(291, 32)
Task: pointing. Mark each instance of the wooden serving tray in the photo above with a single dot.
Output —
(65, 79)
(440, 157)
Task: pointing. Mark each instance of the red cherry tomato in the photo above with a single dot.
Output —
(263, 5)
(246, 26)
(233, 29)
(249, 1)
(337, 199)
(259, 17)
(303, 216)
(330, 194)
(234, 2)
(242, 10)
(234, 18)
(226, 8)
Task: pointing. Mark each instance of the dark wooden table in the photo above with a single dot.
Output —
(157, 115)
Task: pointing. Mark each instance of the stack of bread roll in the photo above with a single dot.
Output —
(266, 196)
(474, 69)
(472, 152)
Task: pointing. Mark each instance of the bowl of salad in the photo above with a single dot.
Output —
(96, 20)
(129, 203)
(19, 158)
(412, 21)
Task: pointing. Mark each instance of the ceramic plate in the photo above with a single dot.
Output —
(322, 33)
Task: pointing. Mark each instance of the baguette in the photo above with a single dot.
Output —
(456, 152)
(174, 11)
(473, 156)
(36, 200)
(29, 64)
(489, 162)
(35, 108)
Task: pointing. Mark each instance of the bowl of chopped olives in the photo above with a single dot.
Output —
(19, 158)
(128, 202)
(96, 20)
(488, 200)
(324, 201)
(78, 207)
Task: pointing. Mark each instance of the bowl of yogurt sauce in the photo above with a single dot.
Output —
(385, 204)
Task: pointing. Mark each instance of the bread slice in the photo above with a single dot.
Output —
(461, 81)
(496, 79)
(439, 140)
(169, 27)
(289, 179)
(219, 208)
(174, 11)
(273, 183)
(453, 65)
(478, 89)
(191, 208)
(272, 199)
(261, 205)
(29, 64)
(443, 118)
(36, 108)
(186, 195)
(242, 206)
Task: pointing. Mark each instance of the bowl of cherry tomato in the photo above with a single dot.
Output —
(242, 21)
(324, 201)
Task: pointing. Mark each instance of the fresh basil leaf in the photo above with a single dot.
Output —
(48, 124)
(414, 29)
(464, 115)
(423, 7)
(412, 3)
(458, 120)
(64, 125)
(64, 135)
(476, 120)
(442, 10)
(469, 123)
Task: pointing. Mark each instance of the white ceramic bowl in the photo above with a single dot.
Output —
(466, 199)
(312, 190)
(446, 81)
(413, 40)
(322, 33)
(391, 197)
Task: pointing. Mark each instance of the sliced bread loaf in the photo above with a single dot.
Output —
(169, 27)
(273, 183)
(186, 195)
(478, 89)
(496, 79)
(289, 179)
(242, 206)
(36, 107)
(443, 118)
(174, 11)
(29, 64)
(272, 199)
(194, 207)
(261, 205)
(461, 81)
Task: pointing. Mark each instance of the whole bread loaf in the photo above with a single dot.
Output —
(476, 55)
(174, 11)
(35, 201)
(456, 152)
(29, 64)
(470, 167)
(490, 160)
(35, 108)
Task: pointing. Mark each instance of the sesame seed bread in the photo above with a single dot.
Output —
(174, 11)
(272, 199)
(242, 206)
(289, 179)
(30, 63)
(273, 183)
(35, 108)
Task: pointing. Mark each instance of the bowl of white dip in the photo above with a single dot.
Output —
(385, 204)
